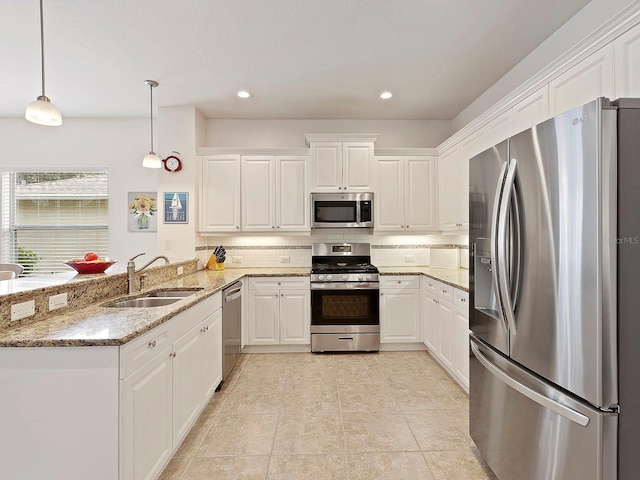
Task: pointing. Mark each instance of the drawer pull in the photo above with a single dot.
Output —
(152, 344)
(345, 339)
(172, 354)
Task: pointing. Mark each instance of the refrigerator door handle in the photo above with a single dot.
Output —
(540, 399)
(503, 283)
(494, 242)
(515, 249)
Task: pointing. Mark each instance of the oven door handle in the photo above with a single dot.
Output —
(345, 286)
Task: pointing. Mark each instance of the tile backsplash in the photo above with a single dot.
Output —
(295, 250)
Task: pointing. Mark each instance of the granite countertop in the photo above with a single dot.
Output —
(456, 277)
(97, 325)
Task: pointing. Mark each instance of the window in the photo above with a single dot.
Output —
(51, 217)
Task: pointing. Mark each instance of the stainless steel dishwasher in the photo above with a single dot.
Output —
(231, 326)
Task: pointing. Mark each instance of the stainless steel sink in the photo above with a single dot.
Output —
(176, 292)
(144, 302)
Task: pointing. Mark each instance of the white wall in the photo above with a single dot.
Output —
(586, 21)
(117, 144)
(179, 128)
(290, 133)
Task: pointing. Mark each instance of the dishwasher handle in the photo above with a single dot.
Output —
(230, 295)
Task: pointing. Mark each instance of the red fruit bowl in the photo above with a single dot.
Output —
(95, 266)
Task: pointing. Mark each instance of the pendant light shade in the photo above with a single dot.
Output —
(151, 160)
(42, 111)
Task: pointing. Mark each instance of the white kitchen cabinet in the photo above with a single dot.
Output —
(453, 190)
(274, 193)
(445, 327)
(212, 353)
(292, 194)
(531, 111)
(219, 200)
(593, 77)
(342, 163)
(494, 132)
(400, 309)
(405, 193)
(461, 332)
(258, 193)
(279, 311)
(627, 64)
(176, 368)
(146, 428)
(187, 389)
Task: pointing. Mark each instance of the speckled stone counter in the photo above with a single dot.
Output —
(456, 277)
(99, 325)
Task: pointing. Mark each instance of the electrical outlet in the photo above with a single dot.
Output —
(285, 259)
(57, 301)
(167, 245)
(236, 259)
(180, 270)
(23, 310)
(409, 259)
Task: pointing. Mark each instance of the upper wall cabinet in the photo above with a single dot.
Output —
(219, 193)
(586, 81)
(405, 193)
(627, 62)
(531, 111)
(342, 162)
(274, 193)
(453, 188)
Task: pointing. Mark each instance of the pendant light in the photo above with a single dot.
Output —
(151, 160)
(42, 111)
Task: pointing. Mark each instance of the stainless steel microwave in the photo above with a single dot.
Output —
(342, 210)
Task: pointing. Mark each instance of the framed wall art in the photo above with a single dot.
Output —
(143, 211)
(176, 207)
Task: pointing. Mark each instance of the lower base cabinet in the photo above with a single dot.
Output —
(161, 400)
(400, 309)
(279, 311)
(445, 320)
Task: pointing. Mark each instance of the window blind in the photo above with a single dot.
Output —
(51, 217)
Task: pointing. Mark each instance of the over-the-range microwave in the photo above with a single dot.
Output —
(342, 210)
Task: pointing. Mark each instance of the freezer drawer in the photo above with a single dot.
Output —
(527, 430)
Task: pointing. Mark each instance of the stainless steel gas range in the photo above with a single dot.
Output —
(344, 298)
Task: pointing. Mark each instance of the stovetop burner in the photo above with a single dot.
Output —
(344, 262)
(344, 268)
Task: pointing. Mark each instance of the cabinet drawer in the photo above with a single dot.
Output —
(279, 283)
(399, 281)
(445, 291)
(429, 284)
(461, 299)
(145, 348)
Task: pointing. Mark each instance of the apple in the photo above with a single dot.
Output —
(90, 257)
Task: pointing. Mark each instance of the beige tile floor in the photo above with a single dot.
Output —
(387, 415)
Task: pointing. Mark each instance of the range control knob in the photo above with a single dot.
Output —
(369, 277)
(360, 278)
(345, 277)
(328, 277)
(320, 277)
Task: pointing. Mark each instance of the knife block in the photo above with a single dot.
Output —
(213, 265)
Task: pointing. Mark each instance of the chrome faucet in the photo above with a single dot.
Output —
(131, 270)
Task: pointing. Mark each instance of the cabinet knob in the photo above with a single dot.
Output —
(399, 281)
(273, 227)
(152, 344)
(238, 228)
(407, 226)
(282, 294)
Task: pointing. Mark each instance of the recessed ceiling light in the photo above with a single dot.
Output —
(386, 95)
(244, 94)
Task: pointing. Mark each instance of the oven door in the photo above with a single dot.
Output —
(345, 304)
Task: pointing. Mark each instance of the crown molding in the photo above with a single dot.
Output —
(340, 137)
(624, 20)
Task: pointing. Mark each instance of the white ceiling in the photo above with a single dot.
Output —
(316, 59)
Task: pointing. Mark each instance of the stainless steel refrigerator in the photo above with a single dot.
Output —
(555, 297)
